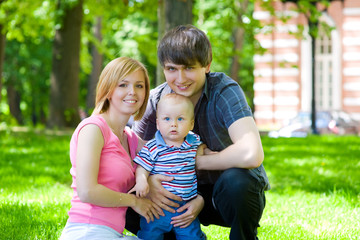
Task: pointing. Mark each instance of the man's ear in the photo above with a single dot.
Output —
(207, 68)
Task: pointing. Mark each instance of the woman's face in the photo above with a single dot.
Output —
(129, 93)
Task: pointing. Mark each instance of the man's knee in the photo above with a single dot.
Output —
(234, 181)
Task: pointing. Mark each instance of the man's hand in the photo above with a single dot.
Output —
(160, 196)
(193, 209)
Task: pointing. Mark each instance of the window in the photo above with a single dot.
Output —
(324, 86)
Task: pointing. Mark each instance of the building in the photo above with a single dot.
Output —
(283, 75)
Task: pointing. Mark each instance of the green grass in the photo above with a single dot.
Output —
(315, 187)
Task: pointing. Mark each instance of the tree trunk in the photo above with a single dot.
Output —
(2, 54)
(238, 36)
(14, 98)
(97, 60)
(171, 13)
(64, 90)
(177, 12)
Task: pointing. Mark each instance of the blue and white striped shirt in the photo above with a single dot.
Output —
(179, 162)
(222, 102)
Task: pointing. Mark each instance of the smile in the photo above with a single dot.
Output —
(183, 87)
(130, 101)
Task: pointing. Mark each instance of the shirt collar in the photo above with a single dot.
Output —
(190, 139)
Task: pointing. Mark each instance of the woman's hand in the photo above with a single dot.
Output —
(146, 208)
(193, 209)
(160, 196)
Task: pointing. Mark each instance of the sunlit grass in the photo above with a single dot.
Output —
(315, 187)
(34, 185)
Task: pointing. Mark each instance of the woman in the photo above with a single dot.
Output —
(101, 153)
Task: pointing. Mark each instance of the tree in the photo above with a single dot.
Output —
(231, 29)
(64, 93)
(27, 26)
(2, 50)
(172, 13)
(238, 38)
(97, 59)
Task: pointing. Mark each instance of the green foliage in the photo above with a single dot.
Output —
(129, 28)
(219, 19)
(27, 68)
(27, 19)
(314, 195)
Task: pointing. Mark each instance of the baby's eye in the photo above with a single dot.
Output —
(167, 119)
(180, 119)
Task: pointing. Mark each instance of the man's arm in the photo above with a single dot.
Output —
(245, 152)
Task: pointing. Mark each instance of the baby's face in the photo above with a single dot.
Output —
(174, 121)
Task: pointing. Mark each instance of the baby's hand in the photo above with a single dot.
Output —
(141, 189)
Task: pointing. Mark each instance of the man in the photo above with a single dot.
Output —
(231, 177)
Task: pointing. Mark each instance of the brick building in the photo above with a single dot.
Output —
(283, 75)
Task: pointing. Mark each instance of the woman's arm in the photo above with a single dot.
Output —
(90, 144)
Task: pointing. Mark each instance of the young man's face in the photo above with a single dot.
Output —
(186, 80)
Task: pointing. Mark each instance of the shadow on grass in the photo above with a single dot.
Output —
(30, 159)
(321, 164)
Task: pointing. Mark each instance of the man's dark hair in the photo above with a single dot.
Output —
(185, 45)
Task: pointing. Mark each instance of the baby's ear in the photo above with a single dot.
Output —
(192, 124)
(157, 124)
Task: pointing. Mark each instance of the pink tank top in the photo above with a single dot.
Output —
(115, 172)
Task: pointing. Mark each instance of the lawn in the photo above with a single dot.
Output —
(315, 187)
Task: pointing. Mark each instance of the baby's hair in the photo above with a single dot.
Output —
(174, 98)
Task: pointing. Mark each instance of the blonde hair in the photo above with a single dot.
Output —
(115, 71)
(175, 98)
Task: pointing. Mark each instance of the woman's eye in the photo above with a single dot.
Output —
(122, 85)
(139, 86)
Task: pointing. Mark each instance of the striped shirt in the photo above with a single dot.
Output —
(222, 102)
(179, 162)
